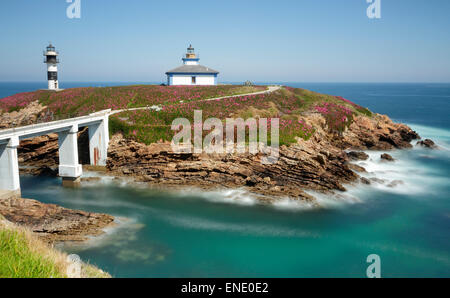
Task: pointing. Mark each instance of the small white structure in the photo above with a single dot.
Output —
(51, 59)
(191, 72)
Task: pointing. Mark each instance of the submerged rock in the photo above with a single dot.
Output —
(356, 168)
(365, 181)
(395, 183)
(387, 157)
(378, 180)
(427, 143)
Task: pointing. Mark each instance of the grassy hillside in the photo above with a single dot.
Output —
(149, 126)
(82, 101)
(22, 255)
(288, 104)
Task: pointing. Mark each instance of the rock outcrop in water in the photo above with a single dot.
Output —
(319, 164)
(54, 223)
(377, 133)
(386, 157)
(427, 144)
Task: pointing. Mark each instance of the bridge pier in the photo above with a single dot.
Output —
(69, 168)
(98, 142)
(9, 166)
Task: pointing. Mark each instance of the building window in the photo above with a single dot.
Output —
(194, 80)
(52, 75)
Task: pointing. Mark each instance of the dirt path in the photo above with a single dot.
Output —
(158, 108)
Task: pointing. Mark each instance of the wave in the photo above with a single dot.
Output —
(440, 136)
(408, 175)
(241, 228)
(123, 231)
(226, 196)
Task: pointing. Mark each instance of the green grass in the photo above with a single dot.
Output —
(148, 126)
(17, 260)
(81, 101)
(24, 255)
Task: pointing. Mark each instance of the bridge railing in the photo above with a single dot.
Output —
(44, 117)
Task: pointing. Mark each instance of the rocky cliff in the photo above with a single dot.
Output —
(319, 164)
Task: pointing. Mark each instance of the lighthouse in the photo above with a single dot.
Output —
(191, 72)
(51, 59)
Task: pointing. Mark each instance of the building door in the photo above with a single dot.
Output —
(194, 80)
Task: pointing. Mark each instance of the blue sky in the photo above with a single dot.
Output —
(257, 40)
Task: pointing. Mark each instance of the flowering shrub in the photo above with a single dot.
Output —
(19, 101)
(151, 126)
(357, 107)
(148, 126)
(82, 101)
(291, 129)
(337, 117)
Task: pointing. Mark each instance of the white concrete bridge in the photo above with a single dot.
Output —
(67, 130)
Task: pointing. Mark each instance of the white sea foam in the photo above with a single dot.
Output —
(243, 197)
(122, 232)
(227, 196)
(334, 200)
(440, 136)
(400, 176)
(288, 204)
(245, 228)
(404, 176)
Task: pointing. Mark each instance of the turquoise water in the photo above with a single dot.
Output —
(227, 234)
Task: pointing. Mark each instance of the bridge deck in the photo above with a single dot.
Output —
(35, 130)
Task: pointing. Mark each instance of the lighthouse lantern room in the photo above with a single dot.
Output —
(51, 59)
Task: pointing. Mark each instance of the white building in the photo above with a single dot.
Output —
(51, 59)
(191, 72)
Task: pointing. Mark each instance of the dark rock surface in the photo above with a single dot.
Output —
(427, 144)
(387, 157)
(354, 155)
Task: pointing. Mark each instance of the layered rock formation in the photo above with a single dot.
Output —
(54, 223)
(319, 164)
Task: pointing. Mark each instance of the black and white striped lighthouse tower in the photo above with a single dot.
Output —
(51, 59)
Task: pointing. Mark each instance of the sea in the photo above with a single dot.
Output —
(226, 233)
